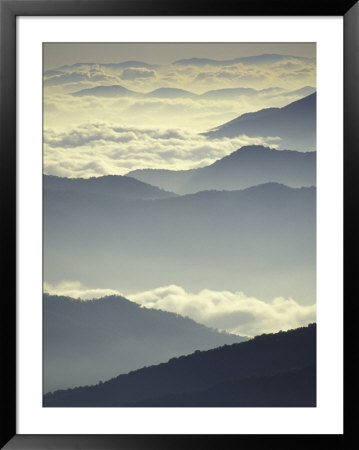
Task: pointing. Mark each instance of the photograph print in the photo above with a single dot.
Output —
(179, 224)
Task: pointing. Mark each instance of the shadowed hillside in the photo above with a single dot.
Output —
(93, 340)
(117, 186)
(295, 387)
(295, 124)
(260, 240)
(269, 370)
(249, 166)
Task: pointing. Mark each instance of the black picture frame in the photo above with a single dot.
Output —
(9, 10)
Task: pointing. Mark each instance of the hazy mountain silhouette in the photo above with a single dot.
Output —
(250, 92)
(257, 59)
(120, 91)
(260, 240)
(107, 91)
(165, 92)
(304, 91)
(295, 124)
(230, 92)
(269, 370)
(93, 340)
(267, 58)
(249, 166)
(121, 187)
(171, 93)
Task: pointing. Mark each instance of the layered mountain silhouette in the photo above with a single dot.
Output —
(304, 91)
(248, 166)
(171, 93)
(168, 92)
(295, 124)
(230, 92)
(116, 186)
(260, 240)
(267, 58)
(107, 91)
(269, 370)
(93, 340)
(241, 229)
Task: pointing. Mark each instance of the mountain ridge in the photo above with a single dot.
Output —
(118, 90)
(114, 185)
(265, 355)
(266, 232)
(100, 338)
(294, 123)
(245, 167)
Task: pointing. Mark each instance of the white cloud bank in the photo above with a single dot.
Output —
(103, 148)
(198, 77)
(75, 289)
(234, 312)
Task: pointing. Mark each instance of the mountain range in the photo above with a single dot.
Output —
(232, 244)
(266, 58)
(248, 166)
(93, 340)
(117, 90)
(260, 240)
(294, 124)
(111, 186)
(269, 370)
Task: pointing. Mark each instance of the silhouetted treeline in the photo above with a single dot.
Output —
(296, 387)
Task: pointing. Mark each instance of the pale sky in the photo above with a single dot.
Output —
(58, 54)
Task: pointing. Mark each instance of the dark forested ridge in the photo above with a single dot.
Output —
(248, 166)
(269, 370)
(295, 387)
(93, 340)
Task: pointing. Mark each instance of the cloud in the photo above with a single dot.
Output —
(75, 289)
(83, 74)
(133, 74)
(90, 136)
(234, 312)
(189, 76)
(101, 148)
(66, 78)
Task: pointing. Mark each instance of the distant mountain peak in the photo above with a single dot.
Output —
(105, 91)
(98, 339)
(265, 58)
(121, 186)
(294, 125)
(170, 92)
